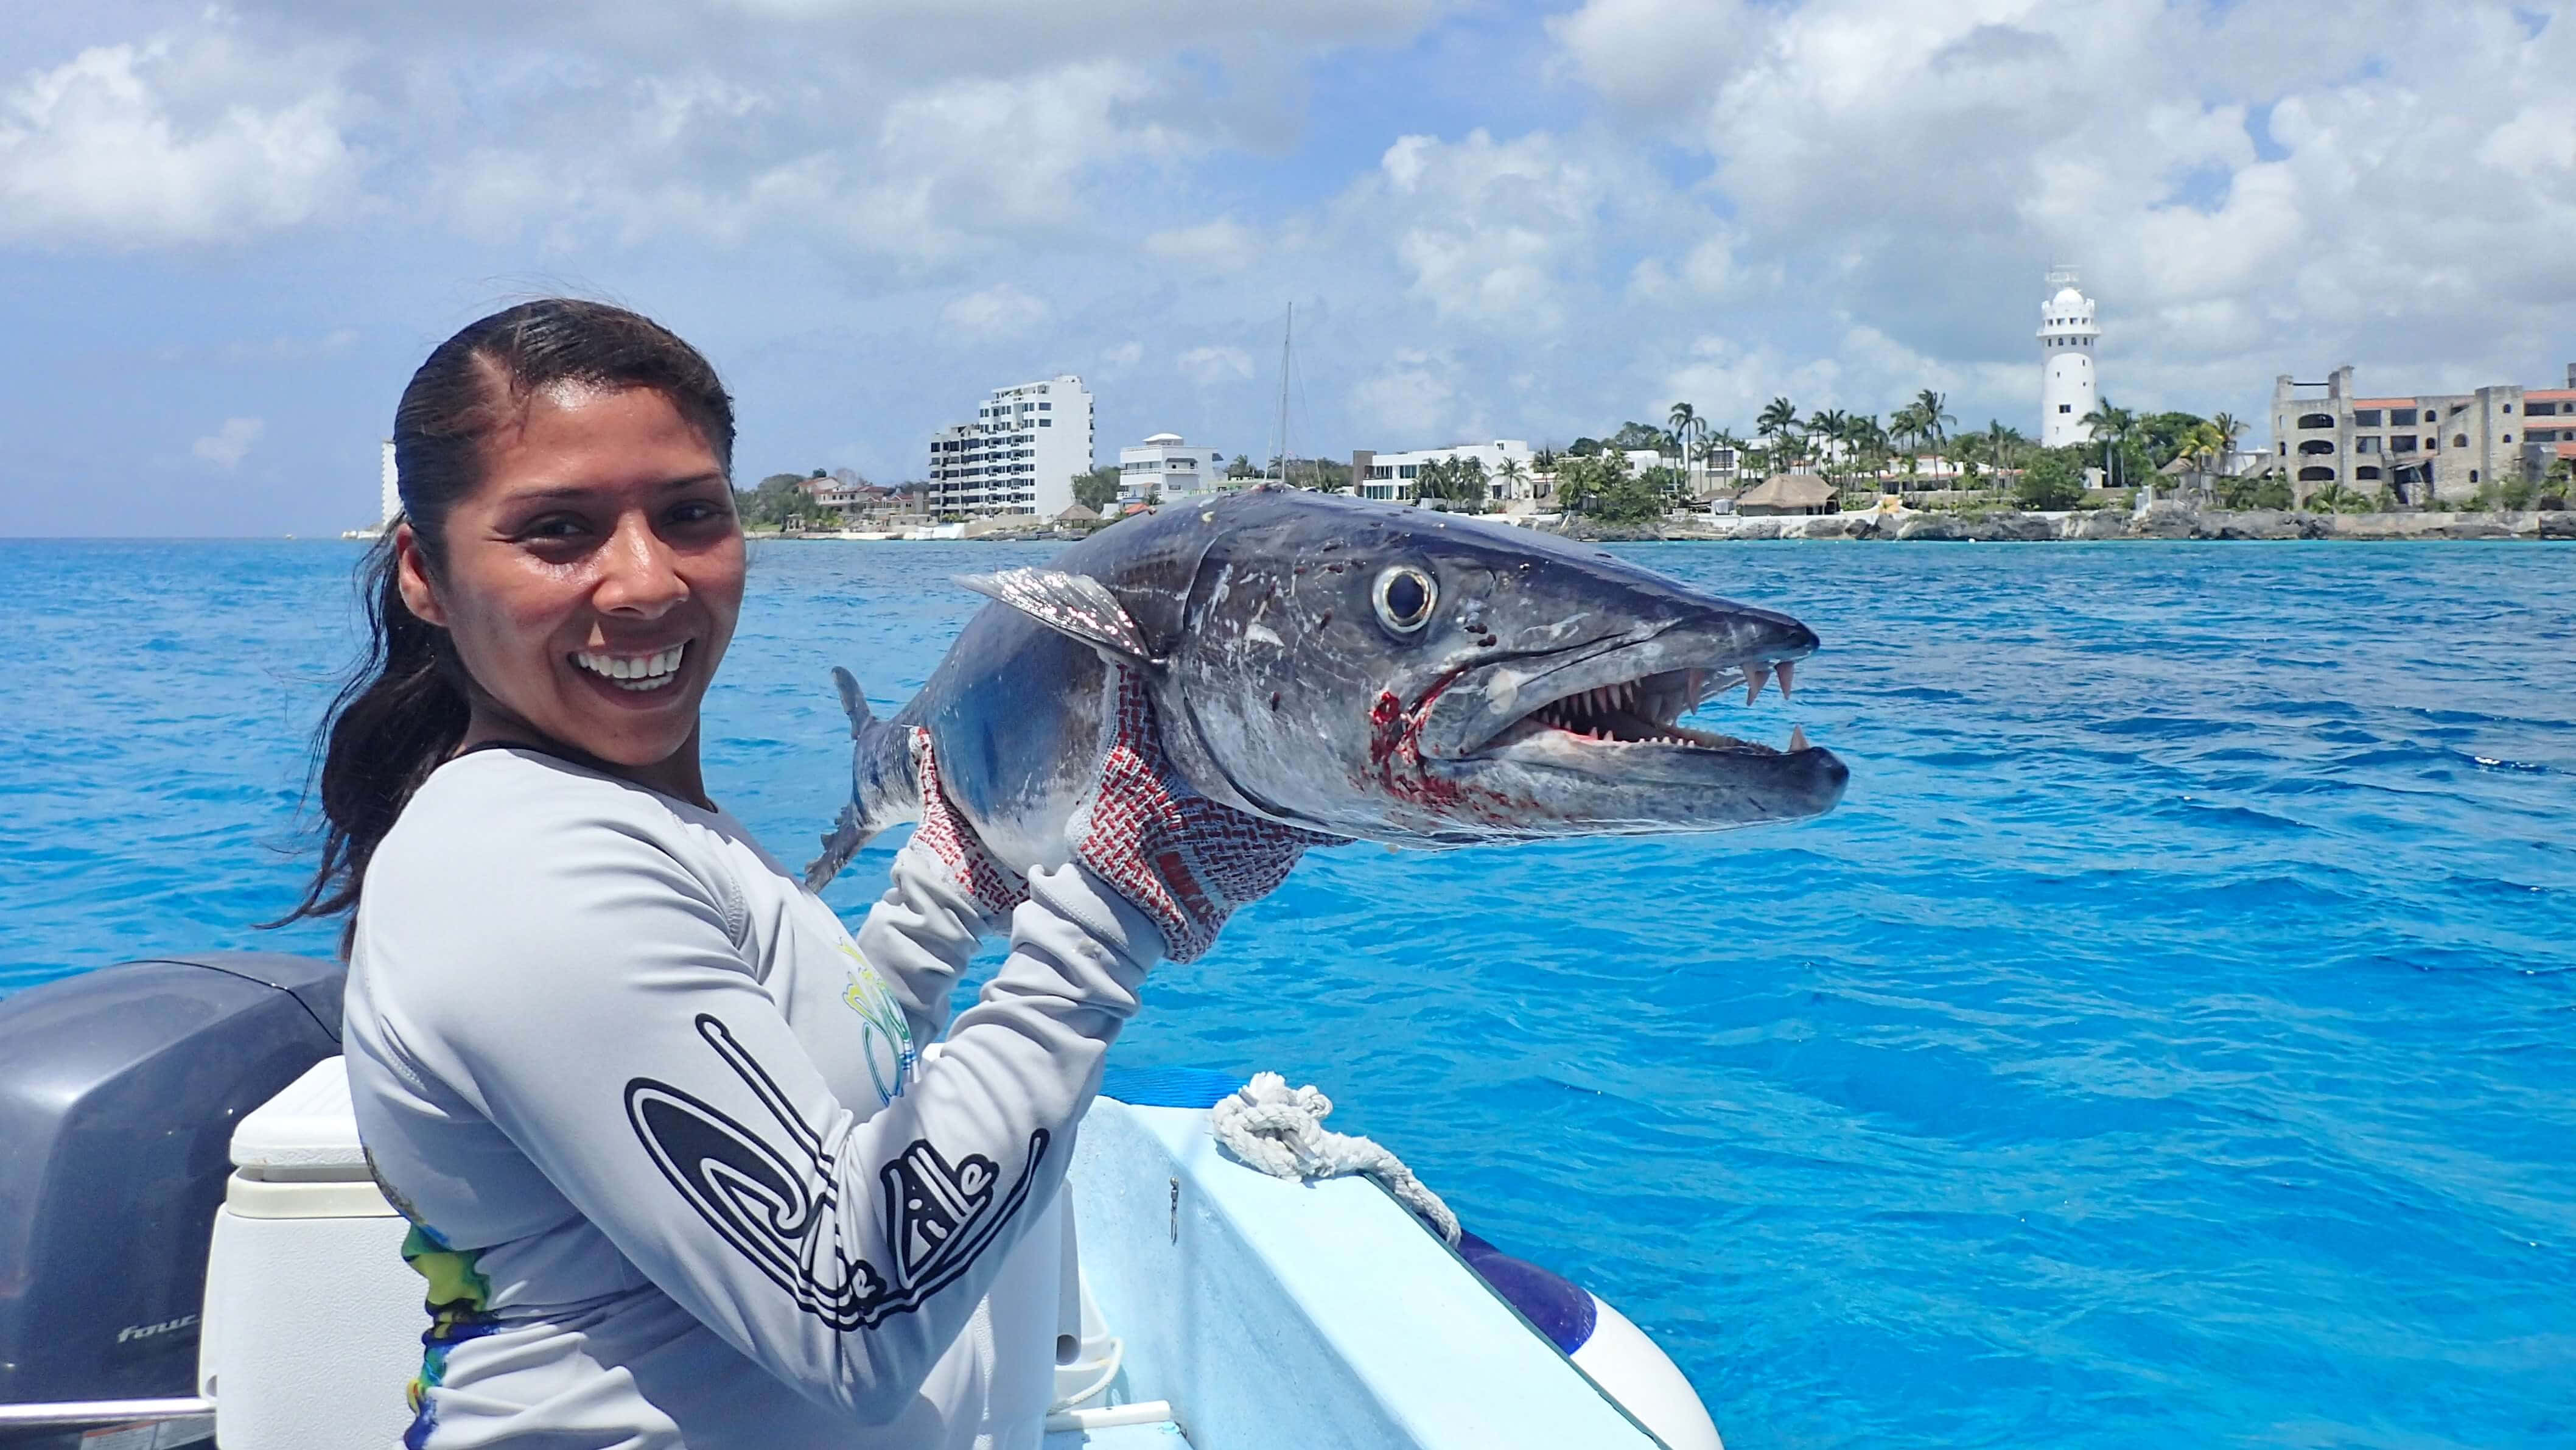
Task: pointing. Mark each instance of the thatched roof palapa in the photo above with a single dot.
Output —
(1786, 493)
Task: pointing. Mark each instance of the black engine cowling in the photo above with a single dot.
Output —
(119, 1090)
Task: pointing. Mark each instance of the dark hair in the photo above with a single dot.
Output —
(403, 711)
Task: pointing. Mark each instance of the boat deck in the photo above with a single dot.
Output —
(1160, 1436)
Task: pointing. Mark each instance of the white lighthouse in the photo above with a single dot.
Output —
(2067, 387)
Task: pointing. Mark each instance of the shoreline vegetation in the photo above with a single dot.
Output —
(1832, 475)
(2161, 521)
(2158, 521)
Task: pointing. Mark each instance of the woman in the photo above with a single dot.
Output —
(676, 1170)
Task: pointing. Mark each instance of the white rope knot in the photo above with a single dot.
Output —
(1280, 1130)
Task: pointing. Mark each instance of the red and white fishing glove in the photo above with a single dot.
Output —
(996, 887)
(1185, 861)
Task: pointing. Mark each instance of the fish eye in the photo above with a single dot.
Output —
(1404, 596)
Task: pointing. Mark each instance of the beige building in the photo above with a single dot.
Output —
(2422, 450)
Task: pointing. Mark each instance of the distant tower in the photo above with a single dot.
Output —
(2067, 390)
(390, 496)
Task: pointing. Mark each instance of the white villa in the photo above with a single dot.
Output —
(1166, 466)
(1513, 479)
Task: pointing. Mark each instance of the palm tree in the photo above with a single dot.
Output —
(2113, 426)
(2229, 428)
(1867, 440)
(1826, 424)
(1932, 408)
(1778, 418)
(1714, 441)
(1691, 430)
(1909, 425)
(1512, 474)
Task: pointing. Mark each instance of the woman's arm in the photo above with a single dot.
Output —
(611, 1031)
(921, 934)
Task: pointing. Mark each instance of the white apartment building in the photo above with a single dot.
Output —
(1166, 466)
(1020, 456)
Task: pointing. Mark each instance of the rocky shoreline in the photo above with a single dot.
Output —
(2159, 521)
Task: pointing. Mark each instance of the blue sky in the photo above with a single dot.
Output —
(227, 234)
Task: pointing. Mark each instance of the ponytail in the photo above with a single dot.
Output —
(405, 708)
(401, 713)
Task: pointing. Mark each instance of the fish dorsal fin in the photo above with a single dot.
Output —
(1070, 604)
(853, 703)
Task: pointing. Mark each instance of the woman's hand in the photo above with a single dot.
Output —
(996, 888)
(1182, 859)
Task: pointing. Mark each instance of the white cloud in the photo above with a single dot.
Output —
(179, 139)
(1224, 245)
(1495, 232)
(999, 311)
(1209, 365)
(228, 445)
(1124, 356)
(1654, 54)
(1416, 401)
(1707, 271)
(1915, 167)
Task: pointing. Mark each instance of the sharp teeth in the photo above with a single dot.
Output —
(1754, 675)
(1785, 668)
(1797, 736)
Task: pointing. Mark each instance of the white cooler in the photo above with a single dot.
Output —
(312, 1319)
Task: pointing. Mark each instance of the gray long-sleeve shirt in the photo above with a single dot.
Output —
(662, 1127)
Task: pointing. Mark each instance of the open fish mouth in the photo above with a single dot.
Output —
(1644, 713)
(1616, 698)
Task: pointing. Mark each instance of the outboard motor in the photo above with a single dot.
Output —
(119, 1091)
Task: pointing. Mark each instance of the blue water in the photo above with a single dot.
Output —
(2172, 1039)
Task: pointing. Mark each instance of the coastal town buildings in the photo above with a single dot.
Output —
(1391, 476)
(1167, 466)
(388, 490)
(2421, 448)
(2068, 387)
(1021, 454)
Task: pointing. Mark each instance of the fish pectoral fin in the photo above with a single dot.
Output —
(849, 833)
(1073, 605)
(853, 703)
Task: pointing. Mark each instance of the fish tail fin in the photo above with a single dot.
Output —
(883, 791)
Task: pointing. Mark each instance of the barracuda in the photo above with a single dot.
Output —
(1368, 671)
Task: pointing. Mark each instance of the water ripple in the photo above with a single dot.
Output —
(2172, 1038)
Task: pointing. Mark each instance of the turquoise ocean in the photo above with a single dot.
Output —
(2171, 1040)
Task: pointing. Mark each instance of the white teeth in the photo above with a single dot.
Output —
(1785, 668)
(635, 672)
(1754, 675)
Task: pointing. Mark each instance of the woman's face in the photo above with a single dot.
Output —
(592, 581)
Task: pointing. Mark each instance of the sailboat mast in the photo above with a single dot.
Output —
(1287, 340)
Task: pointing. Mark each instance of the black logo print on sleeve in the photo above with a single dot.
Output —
(773, 1197)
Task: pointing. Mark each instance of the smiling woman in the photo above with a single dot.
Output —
(590, 586)
(566, 523)
(678, 1166)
